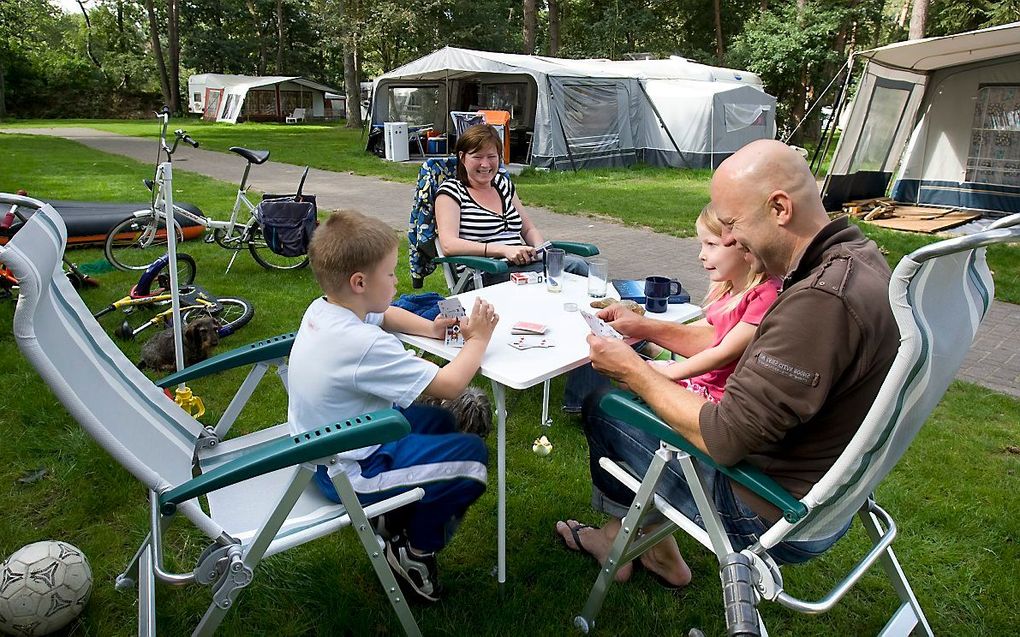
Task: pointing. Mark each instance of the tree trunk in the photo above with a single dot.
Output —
(554, 27)
(530, 26)
(260, 35)
(3, 94)
(157, 52)
(719, 50)
(174, 42)
(349, 12)
(919, 19)
(279, 37)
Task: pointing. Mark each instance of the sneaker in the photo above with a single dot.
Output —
(417, 574)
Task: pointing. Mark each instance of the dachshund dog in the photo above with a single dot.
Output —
(200, 337)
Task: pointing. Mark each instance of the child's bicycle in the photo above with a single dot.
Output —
(138, 240)
(231, 313)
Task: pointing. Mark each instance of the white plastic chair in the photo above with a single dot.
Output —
(297, 116)
(159, 444)
(939, 294)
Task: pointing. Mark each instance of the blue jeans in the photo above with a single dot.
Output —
(618, 441)
(448, 465)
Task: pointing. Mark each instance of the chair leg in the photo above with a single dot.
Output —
(370, 541)
(546, 420)
(129, 578)
(146, 592)
(620, 554)
(909, 618)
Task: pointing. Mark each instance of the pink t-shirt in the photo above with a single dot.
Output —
(750, 309)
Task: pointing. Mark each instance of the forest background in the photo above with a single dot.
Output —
(123, 58)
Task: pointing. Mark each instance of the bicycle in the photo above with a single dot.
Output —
(231, 313)
(140, 238)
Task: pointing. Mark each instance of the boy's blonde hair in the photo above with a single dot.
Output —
(717, 290)
(345, 243)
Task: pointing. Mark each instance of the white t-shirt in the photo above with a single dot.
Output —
(341, 367)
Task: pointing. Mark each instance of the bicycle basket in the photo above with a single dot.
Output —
(287, 225)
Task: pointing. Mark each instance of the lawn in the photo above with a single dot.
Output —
(662, 199)
(953, 495)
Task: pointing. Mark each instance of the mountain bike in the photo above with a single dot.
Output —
(138, 240)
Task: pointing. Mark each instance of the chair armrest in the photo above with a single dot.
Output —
(369, 429)
(268, 349)
(484, 264)
(576, 247)
(631, 409)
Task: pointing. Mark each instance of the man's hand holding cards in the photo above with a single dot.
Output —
(600, 327)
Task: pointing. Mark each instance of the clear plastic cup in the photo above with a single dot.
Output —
(598, 277)
(554, 269)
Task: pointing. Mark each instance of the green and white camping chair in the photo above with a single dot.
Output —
(939, 294)
(176, 458)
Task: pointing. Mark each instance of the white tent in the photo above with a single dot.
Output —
(944, 115)
(225, 98)
(586, 113)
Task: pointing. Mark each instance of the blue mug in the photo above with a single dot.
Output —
(658, 289)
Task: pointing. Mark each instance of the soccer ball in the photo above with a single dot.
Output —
(43, 586)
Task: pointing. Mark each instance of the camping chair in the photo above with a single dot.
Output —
(425, 253)
(176, 458)
(297, 116)
(939, 295)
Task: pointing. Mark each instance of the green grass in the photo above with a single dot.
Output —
(953, 495)
(662, 199)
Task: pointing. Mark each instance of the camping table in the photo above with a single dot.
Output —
(516, 369)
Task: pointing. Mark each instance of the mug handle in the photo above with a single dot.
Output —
(674, 287)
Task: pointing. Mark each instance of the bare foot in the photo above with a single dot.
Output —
(665, 561)
(593, 541)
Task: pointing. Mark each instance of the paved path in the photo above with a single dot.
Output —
(994, 359)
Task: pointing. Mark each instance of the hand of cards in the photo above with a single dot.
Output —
(453, 308)
(600, 327)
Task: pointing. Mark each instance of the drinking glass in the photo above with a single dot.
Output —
(598, 277)
(554, 269)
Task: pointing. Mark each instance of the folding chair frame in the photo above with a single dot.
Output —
(930, 352)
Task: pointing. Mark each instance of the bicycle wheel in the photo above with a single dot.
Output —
(133, 244)
(267, 258)
(186, 269)
(233, 314)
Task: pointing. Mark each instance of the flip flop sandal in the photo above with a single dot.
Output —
(577, 539)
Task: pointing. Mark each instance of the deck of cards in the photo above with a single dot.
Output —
(453, 308)
(600, 327)
(524, 327)
(523, 278)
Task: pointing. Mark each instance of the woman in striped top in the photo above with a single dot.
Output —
(479, 213)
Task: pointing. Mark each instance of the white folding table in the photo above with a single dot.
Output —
(516, 369)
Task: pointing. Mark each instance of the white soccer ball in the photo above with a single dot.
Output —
(43, 586)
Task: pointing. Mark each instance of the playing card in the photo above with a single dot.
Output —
(454, 337)
(529, 342)
(524, 327)
(540, 250)
(452, 308)
(600, 327)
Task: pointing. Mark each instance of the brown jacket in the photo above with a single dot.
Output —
(813, 368)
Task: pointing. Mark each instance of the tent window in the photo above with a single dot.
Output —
(289, 100)
(504, 97)
(591, 117)
(879, 131)
(228, 104)
(260, 104)
(994, 156)
(418, 106)
(741, 116)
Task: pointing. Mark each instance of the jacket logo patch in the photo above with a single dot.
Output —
(781, 367)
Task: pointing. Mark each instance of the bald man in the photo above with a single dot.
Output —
(799, 392)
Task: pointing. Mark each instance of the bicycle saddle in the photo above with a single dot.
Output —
(254, 156)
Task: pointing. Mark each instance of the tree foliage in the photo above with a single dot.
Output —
(796, 46)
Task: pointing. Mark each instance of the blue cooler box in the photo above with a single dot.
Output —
(436, 146)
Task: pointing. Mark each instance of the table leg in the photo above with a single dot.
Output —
(500, 393)
(546, 420)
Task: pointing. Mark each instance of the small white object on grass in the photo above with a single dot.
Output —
(542, 446)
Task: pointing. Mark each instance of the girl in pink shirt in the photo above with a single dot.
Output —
(738, 298)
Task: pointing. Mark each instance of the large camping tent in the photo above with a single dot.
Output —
(585, 113)
(944, 111)
(225, 98)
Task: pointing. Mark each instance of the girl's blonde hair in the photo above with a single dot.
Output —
(718, 290)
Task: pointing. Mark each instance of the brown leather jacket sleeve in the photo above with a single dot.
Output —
(802, 348)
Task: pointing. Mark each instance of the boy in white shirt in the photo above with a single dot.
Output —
(345, 363)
